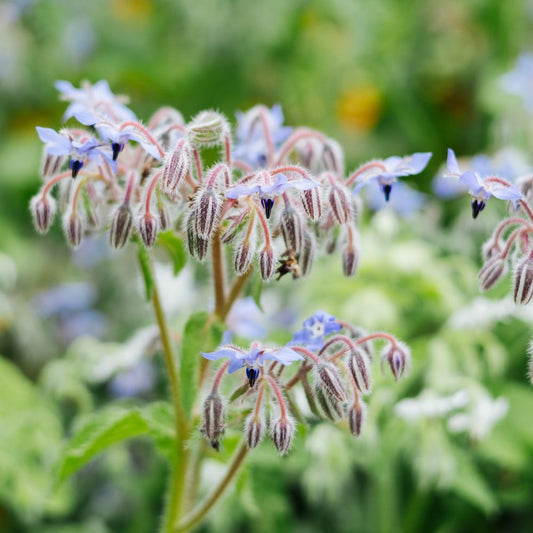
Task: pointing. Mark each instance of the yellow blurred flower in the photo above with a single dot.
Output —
(131, 9)
(360, 108)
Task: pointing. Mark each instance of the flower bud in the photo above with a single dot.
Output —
(349, 260)
(244, 254)
(43, 209)
(530, 362)
(267, 262)
(523, 281)
(357, 333)
(201, 247)
(50, 164)
(341, 204)
(525, 186)
(72, 228)
(490, 249)
(356, 417)
(213, 417)
(332, 156)
(328, 378)
(307, 253)
(206, 211)
(312, 203)
(254, 430)
(176, 166)
(329, 406)
(282, 433)
(148, 228)
(359, 366)
(291, 228)
(491, 272)
(208, 128)
(398, 356)
(164, 217)
(121, 226)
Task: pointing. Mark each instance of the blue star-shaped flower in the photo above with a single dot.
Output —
(315, 329)
(119, 138)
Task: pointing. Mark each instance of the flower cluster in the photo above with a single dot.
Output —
(335, 372)
(273, 196)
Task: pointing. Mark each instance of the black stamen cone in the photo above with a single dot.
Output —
(268, 204)
(75, 166)
(117, 148)
(252, 374)
(477, 207)
(386, 191)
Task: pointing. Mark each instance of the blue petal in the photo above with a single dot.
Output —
(472, 180)
(417, 162)
(218, 354)
(242, 190)
(453, 166)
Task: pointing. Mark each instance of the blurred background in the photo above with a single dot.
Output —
(451, 448)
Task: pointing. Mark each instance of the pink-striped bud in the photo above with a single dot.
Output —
(121, 226)
(349, 260)
(282, 433)
(164, 217)
(51, 164)
(359, 366)
(206, 212)
(176, 166)
(213, 417)
(312, 203)
(254, 430)
(398, 357)
(328, 378)
(148, 228)
(523, 281)
(356, 417)
(267, 262)
(341, 204)
(307, 253)
(330, 407)
(490, 249)
(43, 209)
(242, 259)
(72, 228)
(491, 272)
(291, 228)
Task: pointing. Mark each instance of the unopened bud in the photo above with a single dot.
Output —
(176, 166)
(349, 260)
(206, 211)
(213, 417)
(208, 128)
(525, 186)
(530, 362)
(282, 433)
(523, 281)
(291, 228)
(164, 217)
(312, 203)
(148, 228)
(43, 209)
(307, 253)
(254, 430)
(267, 262)
(356, 417)
(359, 366)
(328, 378)
(341, 204)
(50, 164)
(398, 357)
(121, 226)
(333, 157)
(330, 407)
(72, 228)
(243, 257)
(357, 333)
(491, 272)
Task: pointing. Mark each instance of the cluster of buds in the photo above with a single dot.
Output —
(274, 195)
(335, 372)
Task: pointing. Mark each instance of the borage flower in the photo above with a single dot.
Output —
(482, 189)
(315, 329)
(387, 171)
(254, 359)
(118, 138)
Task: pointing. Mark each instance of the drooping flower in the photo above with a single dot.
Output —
(482, 189)
(118, 138)
(315, 329)
(387, 171)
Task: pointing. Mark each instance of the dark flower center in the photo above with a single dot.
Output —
(117, 148)
(477, 207)
(75, 166)
(268, 204)
(252, 374)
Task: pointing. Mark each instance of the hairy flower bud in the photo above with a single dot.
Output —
(349, 260)
(176, 166)
(291, 228)
(148, 228)
(72, 228)
(208, 128)
(312, 203)
(523, 281)
(282, 433)
(267, 263)
(398, 357)
(206, 211)
(330, 407)
(121, 226)
(359, 366)
(164, 217)
(307, 253)
(356, 417)
(525, 186)
(213, 417)
(333, 157)
(51, 164)
(530, 362)
(328, 378)
(254, 430)
(341, 204)
(491, 272)
(242, 259)
(43, 209)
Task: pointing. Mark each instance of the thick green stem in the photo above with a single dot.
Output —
(199, 513)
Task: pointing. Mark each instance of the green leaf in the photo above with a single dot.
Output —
(146, 269)
(175, 248)
(107, 427)
(202, 333)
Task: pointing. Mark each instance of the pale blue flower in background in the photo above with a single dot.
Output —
(245, 320)
(519, 81)
(406, 201)
(315, 329)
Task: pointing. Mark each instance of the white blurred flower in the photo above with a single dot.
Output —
(429, 405)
